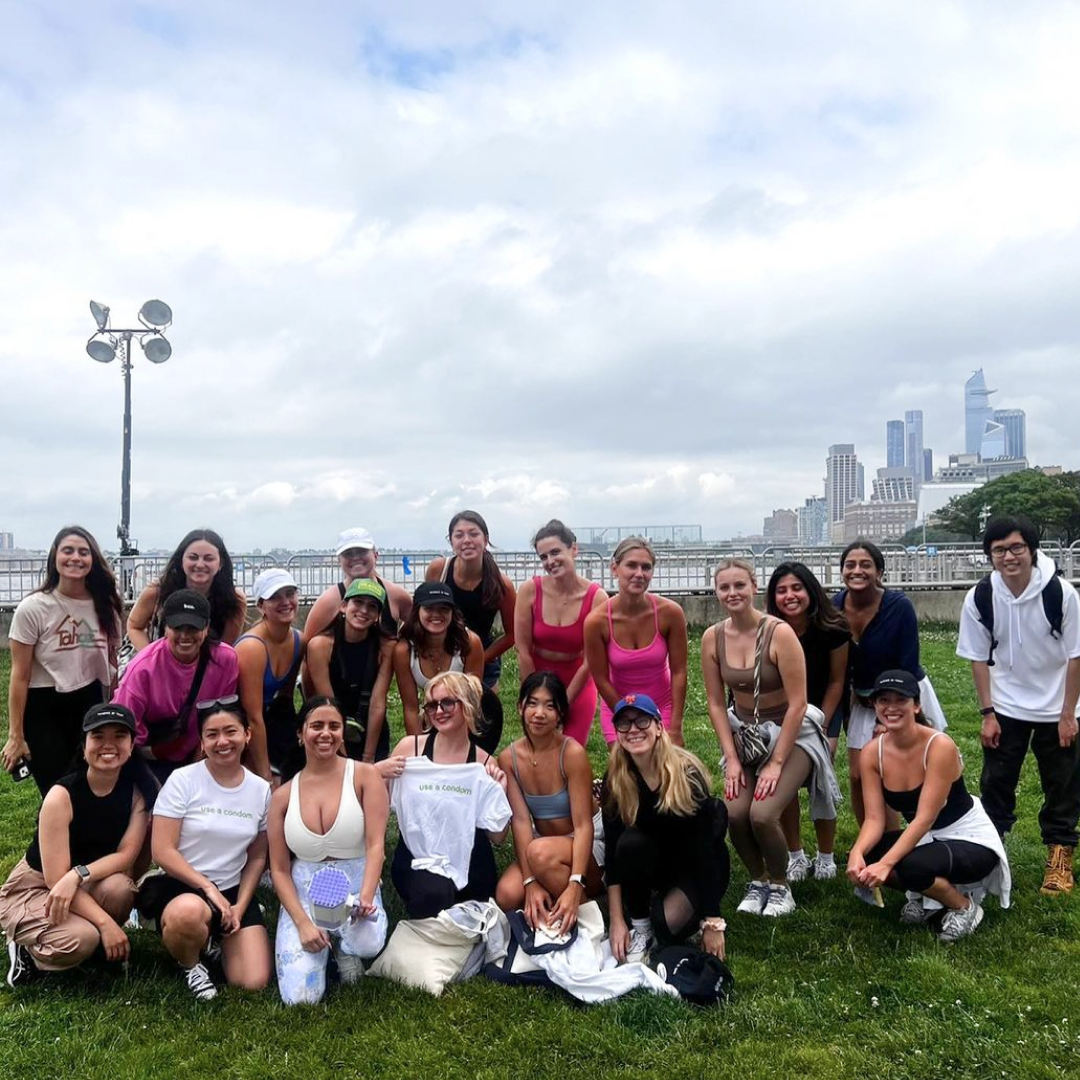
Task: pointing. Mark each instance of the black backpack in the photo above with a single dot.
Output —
(1052, 602)
(700, 977)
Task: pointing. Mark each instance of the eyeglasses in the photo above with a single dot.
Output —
(229, 703)
(1012, 549)
(444, 705)
(624, 722)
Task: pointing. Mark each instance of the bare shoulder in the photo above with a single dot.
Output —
(435, 568)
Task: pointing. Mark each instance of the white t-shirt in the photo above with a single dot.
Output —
(217, 823)
(70, 651)
(1027, 681)
(440, 807)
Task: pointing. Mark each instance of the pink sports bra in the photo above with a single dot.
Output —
(568, 640)
(640, 671)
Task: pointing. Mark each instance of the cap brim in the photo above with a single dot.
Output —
(349, 547)
(111, 721)
(177, 622)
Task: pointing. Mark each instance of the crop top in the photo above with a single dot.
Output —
(457, 663)
(545, 807)
(906, 803)
(343, 840)
(741, 680)
(273, 683)
(568, 640)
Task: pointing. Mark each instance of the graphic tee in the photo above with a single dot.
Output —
(217, 823)
(440, 807)
(70, 649)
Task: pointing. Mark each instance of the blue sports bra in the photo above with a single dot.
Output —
(545, 807)
(271, 683)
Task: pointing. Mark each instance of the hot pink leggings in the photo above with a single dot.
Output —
(583, 707)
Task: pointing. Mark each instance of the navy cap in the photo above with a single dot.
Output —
(896, 682)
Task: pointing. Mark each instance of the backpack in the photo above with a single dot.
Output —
(1052, 602)
(700, 977)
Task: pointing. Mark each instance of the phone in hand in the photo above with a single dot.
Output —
(20, 770)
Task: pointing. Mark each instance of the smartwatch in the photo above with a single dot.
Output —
(579, 878)
(83, 872)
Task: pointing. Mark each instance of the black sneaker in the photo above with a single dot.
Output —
(199, 983)
(21, 966)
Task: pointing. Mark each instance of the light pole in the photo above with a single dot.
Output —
(156, 317)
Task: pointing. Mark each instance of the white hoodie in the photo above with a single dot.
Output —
(1027, 681)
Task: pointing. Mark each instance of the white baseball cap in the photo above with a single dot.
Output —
(269, 581)
(355, 538)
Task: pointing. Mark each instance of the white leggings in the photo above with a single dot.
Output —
(302, 974)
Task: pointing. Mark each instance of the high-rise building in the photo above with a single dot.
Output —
(928, 465)
(813, 521)
(894, 444)
(913, 443)
(877, 520)
(977, 411)
(781, 526)
(843, 484)
(1014, 421)
(894, 485)
(993, 441)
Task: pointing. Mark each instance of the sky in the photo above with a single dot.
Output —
(618, 263)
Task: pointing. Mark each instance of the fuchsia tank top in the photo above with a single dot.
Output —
(638, 671)
(569, 640)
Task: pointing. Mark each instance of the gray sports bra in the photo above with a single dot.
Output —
(545, 807)
(421, 680)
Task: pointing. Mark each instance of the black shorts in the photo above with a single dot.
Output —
(160, 890)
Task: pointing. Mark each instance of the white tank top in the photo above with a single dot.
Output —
(421, 680)
(343, 840)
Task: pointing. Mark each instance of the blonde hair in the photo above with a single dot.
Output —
(736, 564)
(629, 544)
(684, 781)
(468, 689)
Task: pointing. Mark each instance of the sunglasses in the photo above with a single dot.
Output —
(229, 703)
(446, 705)
(640, 720)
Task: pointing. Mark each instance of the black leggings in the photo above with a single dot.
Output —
(426, 894)
(52, 727)
(666, 886)
(959, 862)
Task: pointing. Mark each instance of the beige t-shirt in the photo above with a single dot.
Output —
(70, 651)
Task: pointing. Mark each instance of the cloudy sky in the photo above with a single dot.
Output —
(618, 262)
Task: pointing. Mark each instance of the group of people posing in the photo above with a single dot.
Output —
(201, 738)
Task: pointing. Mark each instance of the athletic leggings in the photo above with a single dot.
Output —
(52, 727)
(959, 862)
(755, 826)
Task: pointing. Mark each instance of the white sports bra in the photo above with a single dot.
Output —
(421, 680)
(343, 840)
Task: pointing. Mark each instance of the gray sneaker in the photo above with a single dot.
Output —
(350, 968)
(757, 896)
(914, 914)
(780, 902)
(823, 871)
(798, 867)
(958, 924)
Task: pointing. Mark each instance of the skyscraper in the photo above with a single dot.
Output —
(993, 441)
(913, 443)
(813, 521)
(928, 465)
(1014, 421)
(977, 411)
(843, 484)
(894, 444)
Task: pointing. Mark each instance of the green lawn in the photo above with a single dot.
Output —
(835, 990)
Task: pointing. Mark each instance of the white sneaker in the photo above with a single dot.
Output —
(757, 896)
(641, 941)
(350, 968)
(798, 867)
(958, 924)
(199, 983)
(780, 902)
(823, 871)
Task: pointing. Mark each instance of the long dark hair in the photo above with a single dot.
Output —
(456, 642)
(491, 586)
(549, 681)
(871, 549)
(224, 603)
(822, 614)
(100, 582)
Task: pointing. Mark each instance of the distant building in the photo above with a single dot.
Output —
(813, 521)
(977, 411)
(933, 497)
(7, 541)
(1014, 421)
(1050, 470)
(928, 465)
(970, 468)
(894, 444)
(879, 521)
(844, 483)
(913, 443)
(781, 526)
(894, 485)
(993, 441)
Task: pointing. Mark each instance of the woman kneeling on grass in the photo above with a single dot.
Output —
(73, 890)
(209, 836)
(559, 842)
(331, 814)
(667, 866)
(950, 855)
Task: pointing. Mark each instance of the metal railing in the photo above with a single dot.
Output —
(678, 570)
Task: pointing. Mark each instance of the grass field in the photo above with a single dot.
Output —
(835, 990)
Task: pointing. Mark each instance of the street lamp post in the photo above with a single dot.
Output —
(103, 346)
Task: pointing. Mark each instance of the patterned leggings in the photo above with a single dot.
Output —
(301, 974)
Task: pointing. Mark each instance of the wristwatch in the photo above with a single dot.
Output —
(83, 872)
(579, 878)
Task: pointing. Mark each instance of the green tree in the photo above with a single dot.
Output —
(932, 534)
(1051, 502)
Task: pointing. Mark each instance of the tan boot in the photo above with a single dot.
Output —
(1058, 876)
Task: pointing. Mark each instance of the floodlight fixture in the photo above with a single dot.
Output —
(102, 348)
(156, 347)
(156, 314)
(100, 313)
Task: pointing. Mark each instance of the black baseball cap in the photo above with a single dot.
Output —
(108, 713)
(186, 607)
(896, 682)
(429, 593)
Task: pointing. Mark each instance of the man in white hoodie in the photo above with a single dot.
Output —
(1027, 678)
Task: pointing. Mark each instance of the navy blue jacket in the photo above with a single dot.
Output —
(891, 640)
